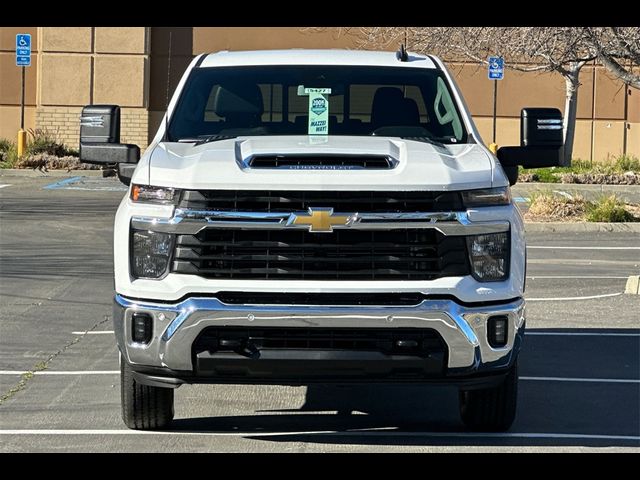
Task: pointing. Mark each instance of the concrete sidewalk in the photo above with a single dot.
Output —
(591, 227)
(628, 193)
(30, 172)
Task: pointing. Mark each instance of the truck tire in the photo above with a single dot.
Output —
(143, 407)
(491, 409)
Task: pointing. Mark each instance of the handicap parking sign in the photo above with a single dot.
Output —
(23, 50)
(496, 68)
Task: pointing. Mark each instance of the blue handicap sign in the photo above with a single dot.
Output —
(496, 68)
(23, 50)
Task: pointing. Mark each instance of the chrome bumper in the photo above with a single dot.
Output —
(176, 327)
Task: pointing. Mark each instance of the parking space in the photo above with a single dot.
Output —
(579, 369)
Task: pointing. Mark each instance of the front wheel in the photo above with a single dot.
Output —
(143, 407)
(491, 409)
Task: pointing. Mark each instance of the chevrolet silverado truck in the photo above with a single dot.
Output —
(319, 216)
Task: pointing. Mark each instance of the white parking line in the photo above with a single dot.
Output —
(576, 277)
(556, 299)
(117, 372)
(97, 332)
(62, 372)
(568, 247)
(5, 185)
(584, 334)
(588, 380)
(351, 433)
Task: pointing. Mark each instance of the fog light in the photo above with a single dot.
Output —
(497, 328)
(141, 327)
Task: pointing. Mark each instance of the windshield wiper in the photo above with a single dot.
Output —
(202, 139)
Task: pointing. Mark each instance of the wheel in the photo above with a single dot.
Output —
(144, 407)
(491, 409)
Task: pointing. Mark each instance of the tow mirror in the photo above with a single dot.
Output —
(100, 140)
(541, 142)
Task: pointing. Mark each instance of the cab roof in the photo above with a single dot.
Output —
(299, 56)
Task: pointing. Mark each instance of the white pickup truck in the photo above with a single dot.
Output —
(319, 216)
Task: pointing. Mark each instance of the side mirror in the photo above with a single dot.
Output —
(541, 142)
(100, 137)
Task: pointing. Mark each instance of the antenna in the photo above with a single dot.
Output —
(166, 115)
(401, 54)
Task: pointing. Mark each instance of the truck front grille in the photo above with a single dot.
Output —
(407, 254)
(292, 201)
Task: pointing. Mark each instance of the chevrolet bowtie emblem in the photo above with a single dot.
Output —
(321, 219)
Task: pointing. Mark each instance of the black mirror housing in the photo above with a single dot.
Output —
(100, 124)
(109, 153)
(541, 127)
(100, 137)
(541, 142)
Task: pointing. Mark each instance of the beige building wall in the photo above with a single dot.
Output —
(93, 65)
(139, 67)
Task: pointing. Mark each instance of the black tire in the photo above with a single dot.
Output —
(144, 407)
(491, 409)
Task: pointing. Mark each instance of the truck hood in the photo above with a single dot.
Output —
(418, 165)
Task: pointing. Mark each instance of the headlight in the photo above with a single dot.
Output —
(148, 194)
(489, 256)
(487, 197)
(150, 253)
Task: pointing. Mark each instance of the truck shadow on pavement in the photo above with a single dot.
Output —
(556, 406)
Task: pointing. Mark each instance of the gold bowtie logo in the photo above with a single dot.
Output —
(320, 220)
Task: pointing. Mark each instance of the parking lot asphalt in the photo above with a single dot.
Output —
(579, 368)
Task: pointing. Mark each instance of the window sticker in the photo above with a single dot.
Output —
(318, 109)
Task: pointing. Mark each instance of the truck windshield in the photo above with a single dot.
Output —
(317, 100)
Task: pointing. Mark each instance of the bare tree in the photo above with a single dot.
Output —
(618, 49)
(527, 49)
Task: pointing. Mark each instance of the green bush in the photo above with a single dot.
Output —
(627, 163)
(8, 153)
(622, 164)
(44, 141)
(6, 145)
(608, 209)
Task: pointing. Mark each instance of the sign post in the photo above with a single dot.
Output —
(495, 72)
(23, 60)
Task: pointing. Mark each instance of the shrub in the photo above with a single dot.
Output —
(608, 209)
(6, 145)
(627, 163)
(586, 171)
(44, 141)
(8, 153)
(548, 206)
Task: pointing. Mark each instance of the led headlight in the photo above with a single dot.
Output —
(487, 197)
(489, 256)
(150, 194)
(150, 253)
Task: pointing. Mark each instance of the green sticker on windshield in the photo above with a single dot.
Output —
(318, 109)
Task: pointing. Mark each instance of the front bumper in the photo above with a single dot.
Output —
(177, 326)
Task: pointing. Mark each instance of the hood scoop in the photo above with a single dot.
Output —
(309, 153)
(321, 162)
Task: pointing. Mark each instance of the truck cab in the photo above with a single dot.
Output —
(322, 216)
